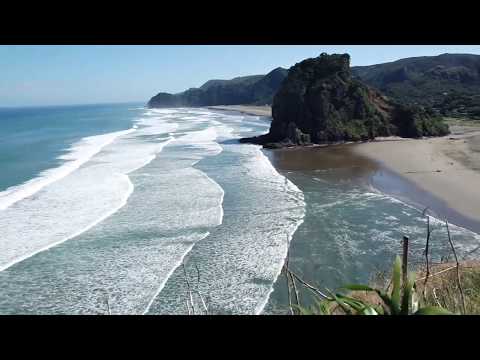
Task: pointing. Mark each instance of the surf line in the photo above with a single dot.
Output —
(175, 267)
(123, 202)
(180, 262)
(170, 273)
(19, 192)
(264, 303)
(88, 227)
(289, 184)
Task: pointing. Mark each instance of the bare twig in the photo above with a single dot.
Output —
(437, 273)
(188, 306)
(205, 307)
(458, 269)
(285, 269)
(426, 253)
(109, 311)
(188, 288)
(405, 259)
(471, 252)
(198, 273)
(297, 297)
(308, 286)
(435, 297)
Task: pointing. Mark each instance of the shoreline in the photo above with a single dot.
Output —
(365, 164)
(404, 168)
(441, 173)
(245, 109)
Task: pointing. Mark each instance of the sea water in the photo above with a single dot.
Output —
(127, 210)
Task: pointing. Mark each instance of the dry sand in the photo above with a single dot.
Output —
(447, 167)
(246, 109)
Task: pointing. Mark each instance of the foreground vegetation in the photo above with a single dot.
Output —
(449, 288)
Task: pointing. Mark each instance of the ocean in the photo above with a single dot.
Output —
(122, 209)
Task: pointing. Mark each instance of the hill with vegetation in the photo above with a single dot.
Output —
(254, 90)
(448, 83)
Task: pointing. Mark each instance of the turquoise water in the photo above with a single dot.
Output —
(32, 139)
(101, 205)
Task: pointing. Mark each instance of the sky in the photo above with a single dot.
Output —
(44, 75)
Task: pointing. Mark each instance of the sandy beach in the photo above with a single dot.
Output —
(440, 173)
(246, 109)
(447, 167)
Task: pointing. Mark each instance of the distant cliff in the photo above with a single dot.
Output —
(448, 83)
(321, 102)
(255, 90)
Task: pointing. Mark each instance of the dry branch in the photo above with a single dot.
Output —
(297, 297)
(109, 311)
(437, 273)
(189, 290)
(405, 259)
(458, 268)
(205, 307)
(308, 286)
(426, 253)
(285, 269)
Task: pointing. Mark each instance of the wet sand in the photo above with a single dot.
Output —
(246, 109)
(367, 169)
(442, 174)
(447, 169)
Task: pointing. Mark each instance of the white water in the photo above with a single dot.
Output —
(77, 155)
(241, 259)
(138, 208)
(64, 202)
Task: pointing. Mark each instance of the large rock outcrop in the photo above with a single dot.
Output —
(320, 102)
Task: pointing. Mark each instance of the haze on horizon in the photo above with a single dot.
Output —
(83, 74)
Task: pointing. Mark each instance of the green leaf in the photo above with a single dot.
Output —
(355, 287)
(387, 300)
(353, 303)
(369, 311)
(433, 310)
(323, 307)
(341, 304)
(407, 294)
(397, 273)
(379, 310)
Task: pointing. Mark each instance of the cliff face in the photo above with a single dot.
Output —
(320, 102)
(256, 89)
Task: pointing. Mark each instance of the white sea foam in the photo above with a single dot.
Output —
(267, 168)
(96, 187)
(35, 250)
(77, 155)
(187, 203)
(165, 279)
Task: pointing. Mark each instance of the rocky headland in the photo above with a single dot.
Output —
(320, 102)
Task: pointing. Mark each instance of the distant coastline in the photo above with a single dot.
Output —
(246, 109)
